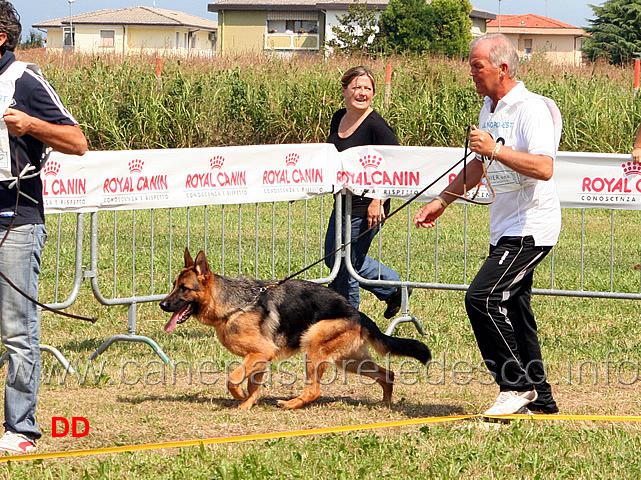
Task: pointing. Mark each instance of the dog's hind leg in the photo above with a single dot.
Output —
(361, 363)
(323, 344)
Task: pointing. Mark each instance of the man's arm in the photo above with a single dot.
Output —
(67, 139)
(428, 213)
(539, 167)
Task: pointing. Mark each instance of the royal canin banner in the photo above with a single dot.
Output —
(142, 179)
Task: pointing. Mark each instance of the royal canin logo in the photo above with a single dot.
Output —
(624, 184)
(140, 183)
(370, 161)
(216, 162)
(215, 179)
(136, 165)
(371, 175)
(292, 176)
(53, 186)
(51, 169)
(291, 159)
(631, 168)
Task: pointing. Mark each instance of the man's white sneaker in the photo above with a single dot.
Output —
(16, 443)
(510, 401)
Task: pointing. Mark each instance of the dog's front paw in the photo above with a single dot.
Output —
(246, 405)
(237, 392)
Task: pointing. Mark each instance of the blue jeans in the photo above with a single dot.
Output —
(20, 327)
(364, 265)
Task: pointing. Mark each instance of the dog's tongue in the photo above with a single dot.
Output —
(179, 317)
(171, 324)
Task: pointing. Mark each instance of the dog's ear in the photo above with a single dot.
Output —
(189, 262)
(202, 267)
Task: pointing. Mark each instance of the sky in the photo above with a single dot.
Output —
(574, 12)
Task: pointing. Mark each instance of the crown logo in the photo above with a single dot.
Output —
(370, 161)
(216, 162)
(631, 168)
(292, 159)
(135, 165)
(51, 169)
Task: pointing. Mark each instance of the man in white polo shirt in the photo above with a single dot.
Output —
(517, 140)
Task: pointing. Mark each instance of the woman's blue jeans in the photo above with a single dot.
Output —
(365, 266)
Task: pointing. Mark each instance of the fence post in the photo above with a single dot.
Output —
(637, 71)
(388, 84)
(158, 70)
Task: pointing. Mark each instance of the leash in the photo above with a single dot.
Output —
(466, 154)
(483, 176)
(16, 182)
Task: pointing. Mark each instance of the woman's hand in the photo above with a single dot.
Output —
(375, 213)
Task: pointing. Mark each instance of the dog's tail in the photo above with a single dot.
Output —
(386, 345)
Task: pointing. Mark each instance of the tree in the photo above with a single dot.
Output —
(442, 27)
(356, 30)
(403, 27)
(35, 40)
(450, 26)
(616, 31)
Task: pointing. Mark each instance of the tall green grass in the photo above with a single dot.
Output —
(260, 100)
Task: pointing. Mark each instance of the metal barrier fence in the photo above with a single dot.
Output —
(135, 255)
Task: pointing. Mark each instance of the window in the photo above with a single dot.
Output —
(292, 30)
(276, 26)
(107, 38)
(69, 37)
(301, 26)
(527, 46)
(292, 26)
(177, 39)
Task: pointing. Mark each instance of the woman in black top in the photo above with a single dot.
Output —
(355, 125)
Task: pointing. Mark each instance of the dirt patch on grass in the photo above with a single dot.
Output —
(141, 414)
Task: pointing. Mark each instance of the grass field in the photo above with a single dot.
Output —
(130, 397)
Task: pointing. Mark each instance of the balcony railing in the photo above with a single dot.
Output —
(291, 41)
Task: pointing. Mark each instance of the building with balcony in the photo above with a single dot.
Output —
(291, 26)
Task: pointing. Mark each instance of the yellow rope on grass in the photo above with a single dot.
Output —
(302, 433)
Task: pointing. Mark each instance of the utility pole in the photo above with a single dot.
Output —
(73, 42)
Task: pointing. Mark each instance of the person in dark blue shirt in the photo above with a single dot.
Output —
(33, 119)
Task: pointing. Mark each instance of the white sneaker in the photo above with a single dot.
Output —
(510, 401)
(16, 443)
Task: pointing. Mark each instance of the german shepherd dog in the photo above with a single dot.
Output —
(264, 322)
